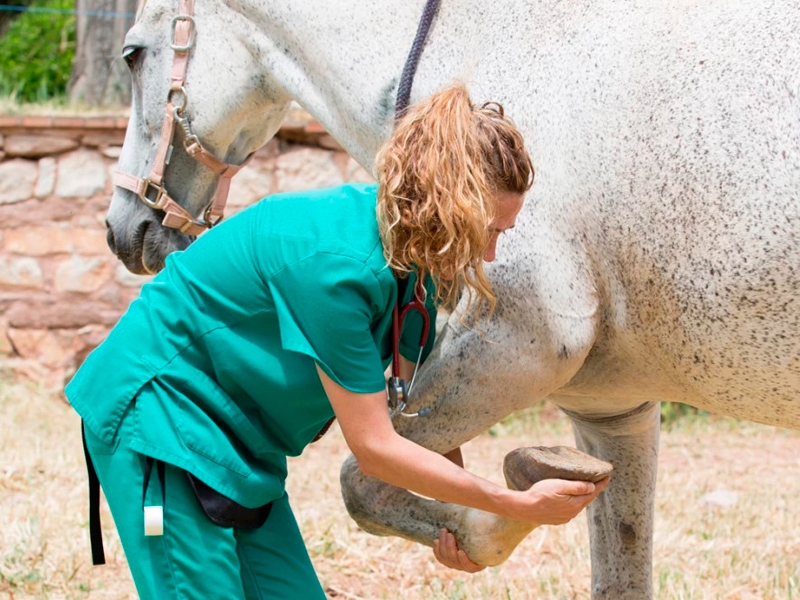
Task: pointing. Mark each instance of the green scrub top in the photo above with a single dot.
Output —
(215, 360)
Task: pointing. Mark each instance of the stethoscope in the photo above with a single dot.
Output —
(398, 391)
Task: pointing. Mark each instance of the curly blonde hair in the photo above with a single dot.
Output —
(438, 179)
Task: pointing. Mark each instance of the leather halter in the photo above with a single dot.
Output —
(152, 190)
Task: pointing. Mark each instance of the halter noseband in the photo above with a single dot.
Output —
(152, 190)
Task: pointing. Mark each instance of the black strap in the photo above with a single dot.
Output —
(410, 68)
(160, 468)
(95, 531)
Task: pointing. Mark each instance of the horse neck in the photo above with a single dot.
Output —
(341, 61)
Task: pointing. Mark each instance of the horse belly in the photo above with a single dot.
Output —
(712, 321)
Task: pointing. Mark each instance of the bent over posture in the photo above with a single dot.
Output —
(240, 351)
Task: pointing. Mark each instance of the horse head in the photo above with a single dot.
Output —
(203, 101)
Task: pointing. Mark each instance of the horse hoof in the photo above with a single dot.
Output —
(525, 466)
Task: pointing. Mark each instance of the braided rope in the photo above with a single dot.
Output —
(410, 68)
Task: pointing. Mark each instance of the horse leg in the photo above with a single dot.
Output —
(461, 410)
(621, 518)
(469, 384)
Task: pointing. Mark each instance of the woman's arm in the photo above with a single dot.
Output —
(382, 453)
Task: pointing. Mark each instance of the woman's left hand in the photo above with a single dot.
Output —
(446, 552)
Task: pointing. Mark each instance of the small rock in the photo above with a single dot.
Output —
(81, 174)
(41, 241)
(36, 146)
(47, 178)
(5, 344)
(22, 272)
(16, 180)
(39, 344)
(82, 274)
(52, 313)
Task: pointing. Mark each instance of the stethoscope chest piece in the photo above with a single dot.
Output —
(397, 389)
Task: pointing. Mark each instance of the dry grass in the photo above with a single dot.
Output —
(747, 551)
(57, 107)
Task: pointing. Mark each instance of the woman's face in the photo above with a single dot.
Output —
(508, 206)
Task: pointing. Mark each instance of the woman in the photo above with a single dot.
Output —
(246, 344)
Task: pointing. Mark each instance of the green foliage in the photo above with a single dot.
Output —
(673, 413)
(36, 53)
(539, 418)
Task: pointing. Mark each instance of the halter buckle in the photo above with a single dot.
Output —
(152, 200)
(208, 220)
(187, 46)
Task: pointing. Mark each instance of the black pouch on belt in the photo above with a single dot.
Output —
(223, 511)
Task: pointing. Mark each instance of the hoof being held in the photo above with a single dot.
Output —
(489, 539)
(525, 466)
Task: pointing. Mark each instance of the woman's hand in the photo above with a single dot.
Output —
(446, 552)
(548, 502)
(555, 501)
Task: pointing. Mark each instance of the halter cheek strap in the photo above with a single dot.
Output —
(151, 190)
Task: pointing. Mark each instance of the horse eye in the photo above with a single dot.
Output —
(130, 54)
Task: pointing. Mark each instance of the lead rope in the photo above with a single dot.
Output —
(410, 68)
(400, 107)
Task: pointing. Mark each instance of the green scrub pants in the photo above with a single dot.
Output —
(195, 559)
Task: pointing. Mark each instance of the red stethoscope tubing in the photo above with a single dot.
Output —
(399, 315)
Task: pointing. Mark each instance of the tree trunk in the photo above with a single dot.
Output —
(99, 76)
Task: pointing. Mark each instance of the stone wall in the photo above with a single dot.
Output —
(61, 289)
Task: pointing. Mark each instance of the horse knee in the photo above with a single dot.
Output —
(364, 497)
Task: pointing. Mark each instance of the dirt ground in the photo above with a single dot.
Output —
(741, 542)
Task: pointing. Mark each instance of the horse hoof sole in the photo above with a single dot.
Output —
(525, 466)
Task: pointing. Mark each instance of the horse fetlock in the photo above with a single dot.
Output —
(487, 538)
(525, 466)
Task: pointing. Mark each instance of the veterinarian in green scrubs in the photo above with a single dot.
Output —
(239, 352)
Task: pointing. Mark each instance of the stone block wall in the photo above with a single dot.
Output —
(61, 289)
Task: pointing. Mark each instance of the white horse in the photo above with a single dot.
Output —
(658, 253)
